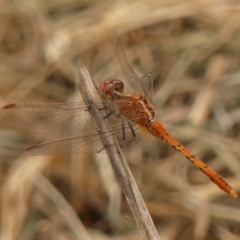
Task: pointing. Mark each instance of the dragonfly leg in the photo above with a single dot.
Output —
(100, 150)
(111, 113)
(131, 128)
(124, 141)
(123, 130)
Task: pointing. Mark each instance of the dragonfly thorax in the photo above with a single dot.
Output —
(136, 108)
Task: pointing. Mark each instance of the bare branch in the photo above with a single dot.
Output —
(118, 161)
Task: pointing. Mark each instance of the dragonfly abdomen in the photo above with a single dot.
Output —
(156, 129)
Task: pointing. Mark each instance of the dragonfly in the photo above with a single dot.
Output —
(131, 117)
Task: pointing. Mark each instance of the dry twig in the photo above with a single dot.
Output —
(118, 161)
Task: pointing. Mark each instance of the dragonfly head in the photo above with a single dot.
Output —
(108, 87)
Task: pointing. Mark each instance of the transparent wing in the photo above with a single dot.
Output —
(90, 142)
(70, 120)
(147, 82)
(60, 119)
(143, 86)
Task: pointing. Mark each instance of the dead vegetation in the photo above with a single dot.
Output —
(192, 49)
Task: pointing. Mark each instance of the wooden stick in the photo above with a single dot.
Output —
(117, 159)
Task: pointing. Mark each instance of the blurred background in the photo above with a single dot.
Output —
(192, 49)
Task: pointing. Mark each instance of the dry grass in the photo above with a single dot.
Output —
(192, 48)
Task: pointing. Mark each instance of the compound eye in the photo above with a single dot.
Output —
(118, 85)
(106, 88)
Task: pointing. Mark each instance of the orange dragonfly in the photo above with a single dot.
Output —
(134, 109)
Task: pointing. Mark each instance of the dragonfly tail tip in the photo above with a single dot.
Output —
(233, 194)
